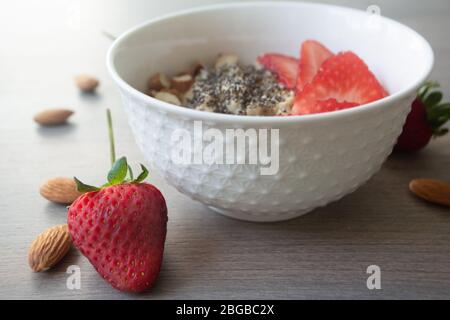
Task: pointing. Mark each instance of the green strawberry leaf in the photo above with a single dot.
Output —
(425, 88)
(445, 106)
(130, 173)
(433, 98)
(440, 132)
(81, 187)
(118, 171)
(437, 113)
(442, 120)
(142, 175)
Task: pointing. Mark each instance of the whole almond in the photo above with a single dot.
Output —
(53, 117)
(49, 248)
(60, 190)
(86, 82)
(434, 191)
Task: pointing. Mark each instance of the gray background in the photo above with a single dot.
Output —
(321, 255)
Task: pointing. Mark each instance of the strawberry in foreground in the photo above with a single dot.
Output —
(343, 81)
(121, 226)
(284, 67)
(425, 120)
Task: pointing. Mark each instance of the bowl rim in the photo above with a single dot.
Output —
(245, 119)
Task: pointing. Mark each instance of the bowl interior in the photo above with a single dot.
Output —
(399, 57)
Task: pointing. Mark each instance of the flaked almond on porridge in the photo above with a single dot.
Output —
(319, 81)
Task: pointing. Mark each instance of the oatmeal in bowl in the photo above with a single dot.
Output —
(226, 87)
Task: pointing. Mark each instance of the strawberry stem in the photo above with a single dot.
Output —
(120, 169)
(112, 148)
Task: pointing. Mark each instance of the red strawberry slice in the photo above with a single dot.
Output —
(312, 55)
(284, 67)
(332, 105)
(343, 77)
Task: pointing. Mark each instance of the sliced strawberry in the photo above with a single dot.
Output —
(284, 67)
(343, 77)
(312, 55)
(333, 105)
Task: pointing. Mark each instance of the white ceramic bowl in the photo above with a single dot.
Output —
(323, 156)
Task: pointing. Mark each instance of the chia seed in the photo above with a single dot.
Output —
(236, 90)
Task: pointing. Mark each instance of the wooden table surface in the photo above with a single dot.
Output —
(323, 254)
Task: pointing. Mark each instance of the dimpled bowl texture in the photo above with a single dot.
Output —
(322, 157)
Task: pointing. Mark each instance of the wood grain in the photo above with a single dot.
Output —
(323, 254)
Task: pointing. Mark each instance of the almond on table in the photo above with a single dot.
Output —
(86, 83)
(49, 248)
(431, 190)
(53, 117)
(60, 190)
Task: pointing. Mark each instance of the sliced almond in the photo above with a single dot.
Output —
(187, 96)
(434, 191)
(86, 82)
(204, 107)
(182, 83)
(173, 91)
(194, 69)
(49, 248)
(285, 106)
(158, 81)
(150, 92)
(260, 111)
(60, 190)
(226, 60)
(168, 97)
(53, 117)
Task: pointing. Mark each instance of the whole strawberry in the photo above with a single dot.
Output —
(121, 227)
(425, 120)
